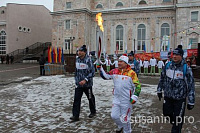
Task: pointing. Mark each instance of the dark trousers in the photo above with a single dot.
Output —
(42, 70)
(7, 61)
(175, 110)
(77, 100)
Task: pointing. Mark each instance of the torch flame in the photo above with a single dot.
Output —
(99, 20)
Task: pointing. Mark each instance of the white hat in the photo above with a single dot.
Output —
(124, 58)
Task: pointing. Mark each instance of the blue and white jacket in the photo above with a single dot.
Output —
(135, 65)
(175, 85)
(84, 70)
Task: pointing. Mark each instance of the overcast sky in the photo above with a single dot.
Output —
(47, 3)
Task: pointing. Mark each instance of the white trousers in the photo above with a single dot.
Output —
(121, 114)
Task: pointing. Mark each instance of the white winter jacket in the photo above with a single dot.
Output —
(124, 85)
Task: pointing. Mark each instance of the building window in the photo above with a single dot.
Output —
(165, 38)
(2, 12)
(194, 16)
(2, 43)
(99, 6)
(20, 28)
(67, 24)
(67, 44)
(166, 0)
(142, 2)
(193, 42)
(141, 36)
(119, 4)
(68, 5)
(28, 30)
(119, 37)
(24, 29)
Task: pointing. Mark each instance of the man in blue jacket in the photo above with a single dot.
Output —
(135, 65)
(177, 82)
(84, 81)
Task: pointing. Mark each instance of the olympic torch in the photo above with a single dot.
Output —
(99, 36)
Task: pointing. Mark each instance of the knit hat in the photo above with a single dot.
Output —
(178, 51)
(131, 53)
(124, 58)
(83, 48)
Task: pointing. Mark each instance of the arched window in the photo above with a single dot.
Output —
(141, 36)
(165, 38)
(166, 0)
(2, 42)
(119, 37)
(99, 6)
(119, 4)
(142, 2)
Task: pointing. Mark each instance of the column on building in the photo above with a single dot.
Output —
(126, 36)
(134, 32)
(112, 41)
(157, 41)
(148, 37)
(93, 37)
(105, 37)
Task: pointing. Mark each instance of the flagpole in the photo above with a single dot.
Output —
(134, 45)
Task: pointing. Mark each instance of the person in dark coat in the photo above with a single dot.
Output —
(2, 59)
(135, 65)
(177, 82)
(7, 59)
(84, 81)
(42, 62)
(11, 59)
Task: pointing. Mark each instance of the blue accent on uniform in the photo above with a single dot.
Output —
(184, 68)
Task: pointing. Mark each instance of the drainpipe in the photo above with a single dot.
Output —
(175, 37)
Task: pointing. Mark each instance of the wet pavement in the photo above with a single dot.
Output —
(10, 73)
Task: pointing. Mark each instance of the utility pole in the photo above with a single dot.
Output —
(134, 45)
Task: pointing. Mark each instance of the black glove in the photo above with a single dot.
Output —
(159, 95)
(190, 107)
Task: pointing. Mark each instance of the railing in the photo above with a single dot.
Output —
(29, 52)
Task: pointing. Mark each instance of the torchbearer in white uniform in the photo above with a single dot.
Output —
(126, 91)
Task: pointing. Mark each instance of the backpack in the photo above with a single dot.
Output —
(184, 68)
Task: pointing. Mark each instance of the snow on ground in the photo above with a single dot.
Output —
(44, 105)
(44, 101)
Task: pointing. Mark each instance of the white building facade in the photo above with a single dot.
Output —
(138, 25)
(22, 25)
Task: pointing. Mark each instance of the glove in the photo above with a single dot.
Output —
(133, 99)
(190, 107)
(159, 95)
(98, 66)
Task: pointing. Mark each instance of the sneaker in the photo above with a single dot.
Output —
(92, 115)
(119, 130)
(74, 118)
